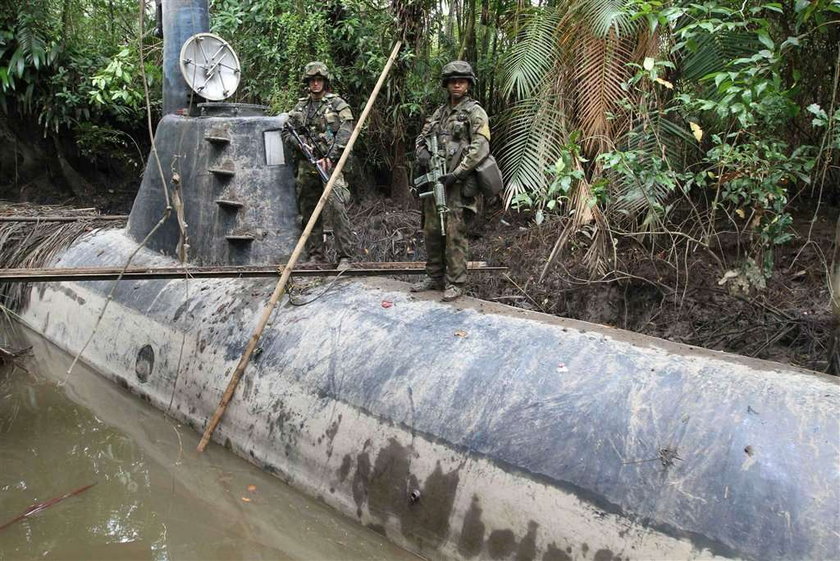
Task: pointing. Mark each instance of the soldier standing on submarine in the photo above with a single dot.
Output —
(326, 122)
(463, 140)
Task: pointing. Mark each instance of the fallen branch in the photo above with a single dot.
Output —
(7, 355)
(38, 507)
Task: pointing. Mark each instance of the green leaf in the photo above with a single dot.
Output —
(565, 183)
(790, 41)
(815, 109)
(765, 39)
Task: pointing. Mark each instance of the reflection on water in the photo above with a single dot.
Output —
(154, 497)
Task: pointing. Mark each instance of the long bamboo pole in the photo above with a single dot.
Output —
(281, 284)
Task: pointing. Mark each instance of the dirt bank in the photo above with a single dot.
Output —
(789, 320)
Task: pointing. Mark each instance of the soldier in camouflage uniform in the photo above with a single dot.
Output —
(324, 121)
(463, 133)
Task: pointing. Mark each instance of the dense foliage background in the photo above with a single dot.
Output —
(676, 121)
(672, 126)
(71, 89)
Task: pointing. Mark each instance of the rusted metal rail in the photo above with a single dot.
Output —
(55, 218)
(362, 269)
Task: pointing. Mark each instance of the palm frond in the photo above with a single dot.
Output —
(532, 57)
(649, 45)
(600, 72)
(660, 136)
(533, 133)
(31, 245)
(603, 18)
(594, 40)
(714, 50)
(633, 198)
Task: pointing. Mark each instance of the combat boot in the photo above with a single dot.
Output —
(427, 284)
(452, 292)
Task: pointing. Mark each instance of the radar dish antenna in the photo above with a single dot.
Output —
(210, 66)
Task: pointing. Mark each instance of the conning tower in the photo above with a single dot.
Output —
(221, 164)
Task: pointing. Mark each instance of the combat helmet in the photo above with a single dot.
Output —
(457, 69)
(313, 69)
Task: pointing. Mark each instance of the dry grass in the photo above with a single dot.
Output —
(34, 244)
(384, 233)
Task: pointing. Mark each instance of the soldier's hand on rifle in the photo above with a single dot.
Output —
(305, 148)
(424, 157)
(448, 180)
(296, 119)
(325, 163)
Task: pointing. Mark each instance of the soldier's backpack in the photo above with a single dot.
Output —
(489, 176)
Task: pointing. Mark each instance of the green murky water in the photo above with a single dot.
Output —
(153, 496)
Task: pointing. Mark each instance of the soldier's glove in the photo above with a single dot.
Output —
(424, 158)
(296, 119)
(448, 180)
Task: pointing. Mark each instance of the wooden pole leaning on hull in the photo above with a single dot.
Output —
(290, 264)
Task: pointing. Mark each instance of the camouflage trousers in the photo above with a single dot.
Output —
(446, 255)
(309, 190)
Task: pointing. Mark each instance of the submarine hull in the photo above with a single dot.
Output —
(474, 431)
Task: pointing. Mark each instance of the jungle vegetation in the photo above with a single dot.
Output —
(679, 126)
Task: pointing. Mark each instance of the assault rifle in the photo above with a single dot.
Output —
(308, 152)
(437, 169)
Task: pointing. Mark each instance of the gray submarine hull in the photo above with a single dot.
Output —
(476, 430)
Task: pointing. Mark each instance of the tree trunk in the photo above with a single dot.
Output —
(77, 184)
(467, 50)
(411, 16)
(400, 188)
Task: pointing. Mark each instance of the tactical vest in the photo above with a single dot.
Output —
(453, 140)
(325, 122)
(452, 144)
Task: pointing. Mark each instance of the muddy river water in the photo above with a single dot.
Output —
(153, 496)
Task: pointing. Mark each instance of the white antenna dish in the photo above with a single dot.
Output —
(210, 66)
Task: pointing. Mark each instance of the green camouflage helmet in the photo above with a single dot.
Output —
(314, 69)
(457, 69)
